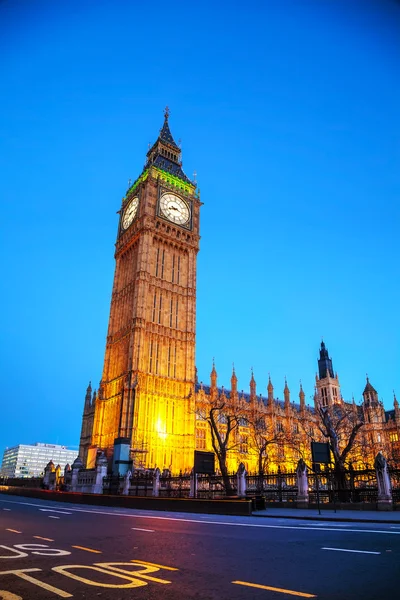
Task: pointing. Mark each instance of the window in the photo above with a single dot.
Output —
(153, 317)
(169, 360)
(243, 444)
(200, 438)
(157, 260)
(160, 309)
(394, 437)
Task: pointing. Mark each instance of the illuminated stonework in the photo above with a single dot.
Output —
(147, 389)
(148, 392)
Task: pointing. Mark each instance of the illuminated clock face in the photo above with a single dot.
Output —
(174, 209)
(130, 213)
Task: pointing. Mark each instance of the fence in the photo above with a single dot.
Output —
(357, 486)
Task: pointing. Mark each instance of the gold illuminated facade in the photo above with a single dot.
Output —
(148, 395)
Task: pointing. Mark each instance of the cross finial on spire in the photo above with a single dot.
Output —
(166, 113)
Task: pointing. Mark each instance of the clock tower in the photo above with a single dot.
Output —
(147, 390)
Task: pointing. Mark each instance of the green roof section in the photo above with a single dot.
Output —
(170, 179)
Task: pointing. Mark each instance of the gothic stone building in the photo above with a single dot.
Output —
(149, 394)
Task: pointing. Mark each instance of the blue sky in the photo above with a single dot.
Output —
(289, 113)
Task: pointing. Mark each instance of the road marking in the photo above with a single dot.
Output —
(395, 527)
(139, 529)
(87, 549)
(53, 517)
(61, 512)
(4, 595)
(114, 514)
(38, 537)
(23, 574)
(13, 531)
(150, 564)
(275, 589)
(346, 550)
(6, 508)
(133, 582)
(200, 521)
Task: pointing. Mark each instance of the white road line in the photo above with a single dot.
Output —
(395, 527)
(6, 508)
(61, 512)
(346, 550)
(200, 521)
(53, 517)
(138, 529)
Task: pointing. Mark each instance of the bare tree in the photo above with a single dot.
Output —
(224, 418)
(339, 425)
(262, 435)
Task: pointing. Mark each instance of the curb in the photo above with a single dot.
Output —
(327, 519)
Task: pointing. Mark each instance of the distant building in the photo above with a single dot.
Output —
(29, 460)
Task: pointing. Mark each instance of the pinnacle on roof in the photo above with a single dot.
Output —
(165, 154)
(369, 387)
(165, 132)
(325, 363)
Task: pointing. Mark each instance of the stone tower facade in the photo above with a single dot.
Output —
(146, 393)
(327, 387)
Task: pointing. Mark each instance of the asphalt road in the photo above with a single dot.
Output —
(53, 550)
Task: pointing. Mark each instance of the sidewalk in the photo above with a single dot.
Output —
(311, 514)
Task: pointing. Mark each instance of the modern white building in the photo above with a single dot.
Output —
(29, 460)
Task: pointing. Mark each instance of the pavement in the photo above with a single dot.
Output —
(312, 514)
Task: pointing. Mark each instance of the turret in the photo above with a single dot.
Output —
(396, 409)
(88, 396)
(270, 389)
(233, 384)
(302, 397)
(373, 409)
(325, 367)
(286, 395)
(327, 388)
(213, 377)
(253, 393)
(370, 396)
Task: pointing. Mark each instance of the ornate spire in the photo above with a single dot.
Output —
(370, 395)
(325, 363)
(233, 381)
(213, 376)
(252, 385)
(165, 153)
(88, 396)
(165, 133)
(270, 389)
(302, 397)
(286, 394)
